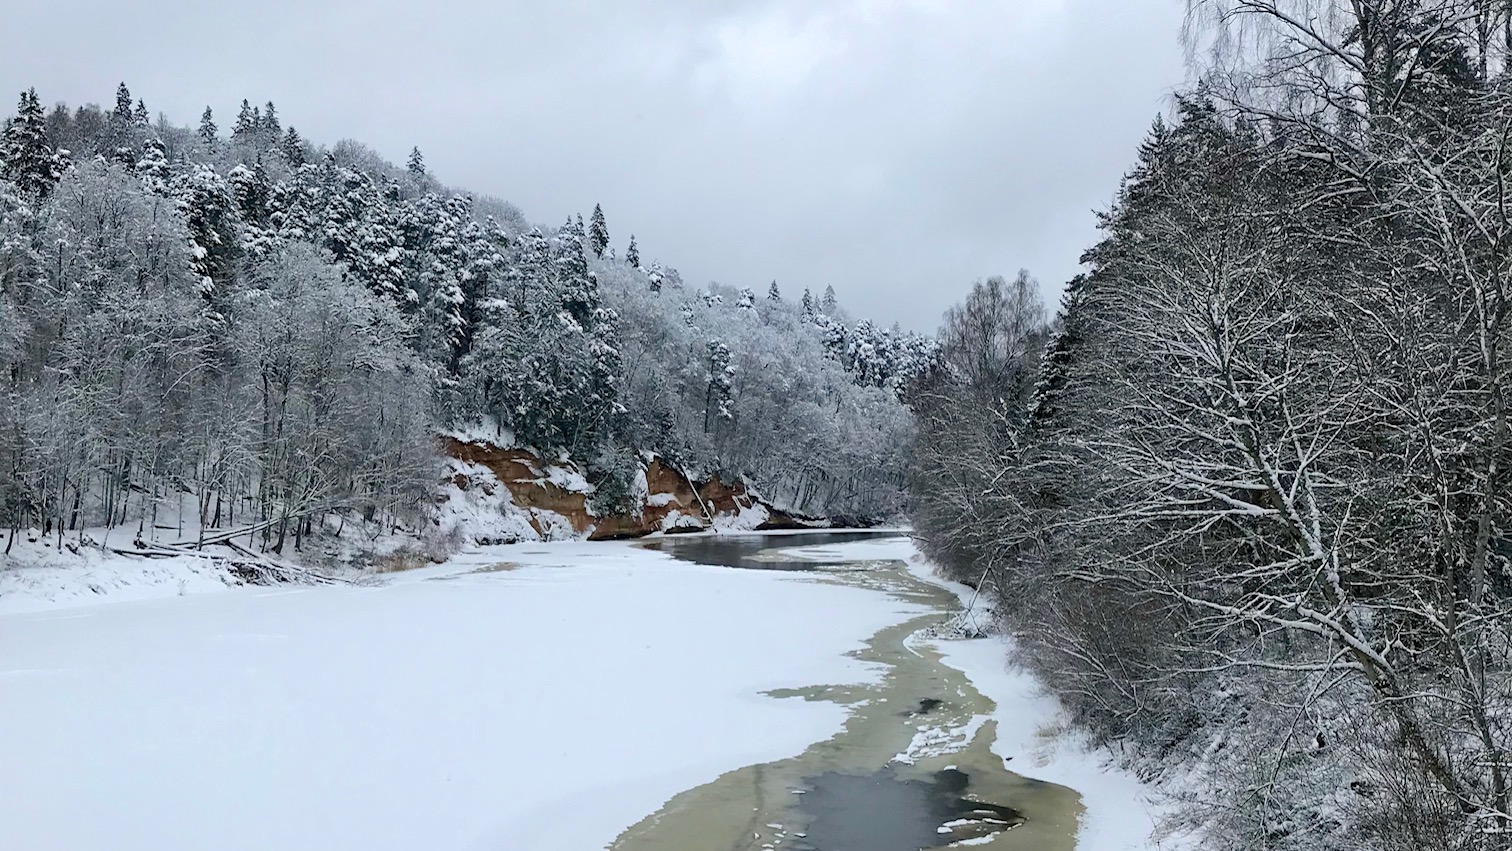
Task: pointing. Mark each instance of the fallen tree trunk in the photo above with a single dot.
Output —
(259, 568)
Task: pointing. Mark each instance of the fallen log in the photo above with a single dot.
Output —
(244, 561)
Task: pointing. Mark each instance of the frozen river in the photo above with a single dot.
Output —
(563, 696)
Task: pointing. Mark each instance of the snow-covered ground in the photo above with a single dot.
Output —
(90, 578)
(543, 707)
(532, 696)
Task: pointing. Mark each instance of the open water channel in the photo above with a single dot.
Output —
(912, 767)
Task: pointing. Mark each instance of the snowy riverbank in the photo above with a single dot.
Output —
(63, 580)
(1033, 736)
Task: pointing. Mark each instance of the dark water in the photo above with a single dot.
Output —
(739, 550)
(841, 811)
(883, 812)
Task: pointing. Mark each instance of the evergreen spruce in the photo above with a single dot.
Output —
(124, 111)
(570, 269)
(598, 232)
(251, 191)
(292, 148)
(270, 129)
(416, 163)
(122, 133)
(632, 253)
(720, 385)
(207, 128)
(208, 208)
(1060, 352)
(26, 157)
(152, 166)
(773, 294)
(246, 123)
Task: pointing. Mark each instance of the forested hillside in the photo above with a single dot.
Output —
(278, 331)
(1245, 500)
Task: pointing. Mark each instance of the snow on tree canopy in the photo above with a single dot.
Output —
(325, 295)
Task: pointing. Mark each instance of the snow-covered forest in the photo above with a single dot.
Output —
(277, 331)
(1245, 499)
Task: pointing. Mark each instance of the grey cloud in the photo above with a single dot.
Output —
(897, 149)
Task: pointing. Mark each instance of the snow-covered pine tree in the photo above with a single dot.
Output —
(252, 192)
(552, 372)
(581, 302)
(152, 167)
(773, 294)
(122, 132)
(720, 389)
(632, 254)
(483, 247)
(415, 165)
(435, 262)
(1066, 337)
(745, 300)
(26, 157)
(269, 129)
(447, 301)
(380, 256)
(807, 303)
(527, 279)
(832, 335)
(293, 148)
(500, 374)
(140, 117)
(210, 212)
(124, 109)
(245, 127)
(254, 195)
(296, 206)
(598, 232)
(869, 354)
(207, 128)
(829, 302)
(579, 292)
(364, 225)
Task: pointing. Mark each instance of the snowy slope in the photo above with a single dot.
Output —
(38, 578)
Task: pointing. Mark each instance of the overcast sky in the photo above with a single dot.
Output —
(896, 149)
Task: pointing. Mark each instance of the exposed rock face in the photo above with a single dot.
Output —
(554, 497)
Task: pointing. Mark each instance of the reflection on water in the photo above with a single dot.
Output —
(911, 768)
(753, 550)
(884, 812)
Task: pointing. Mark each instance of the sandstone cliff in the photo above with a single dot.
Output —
(496, 494)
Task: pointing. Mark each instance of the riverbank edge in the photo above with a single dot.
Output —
(1036, 739)
(37, 578)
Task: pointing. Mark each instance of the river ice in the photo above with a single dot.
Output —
(544, 707)
(548, 705)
